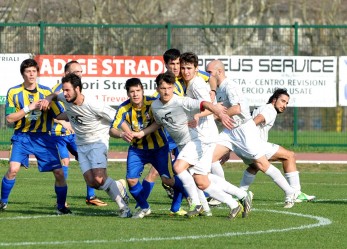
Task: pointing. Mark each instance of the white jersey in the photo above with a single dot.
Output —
(199, 89)
(229, 94)
(269, 112)
(174, 116)
(91, 121)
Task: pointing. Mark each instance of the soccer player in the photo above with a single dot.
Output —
(196, 88)
(265, 117)
(173, 113)
(134, 115)
(64, 136)
(31, 134)
(90, 120)
(244, 138)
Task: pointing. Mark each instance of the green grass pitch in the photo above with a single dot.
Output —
(30, 220)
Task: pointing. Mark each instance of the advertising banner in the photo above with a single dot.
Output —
(310, 81)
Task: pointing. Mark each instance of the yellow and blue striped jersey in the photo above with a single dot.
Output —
(34, 121)
(179, 90)
(139, 119)
(58, 129)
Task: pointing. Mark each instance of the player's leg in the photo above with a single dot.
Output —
(291, 173)
(136, 160)
(214, 191)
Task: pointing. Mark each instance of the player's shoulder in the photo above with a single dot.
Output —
(204, 75)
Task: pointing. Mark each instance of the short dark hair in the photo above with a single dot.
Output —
(189, 57)
(73, 79)
(133, 82)
(169, 77)
(67, 65)
(171, 54)
(28, 63)
(277, 93)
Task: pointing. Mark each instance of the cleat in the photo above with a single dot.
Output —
(302, 197)
(63, 211)
(141, 213)
(121, 184)
(125, 213)
(235, 212)
(213, 202)
(194, 210)
(3, 206)
(206, 213)
(290, 200)
(247, 204)
(169, 190)
(180, 212)
(96, 202)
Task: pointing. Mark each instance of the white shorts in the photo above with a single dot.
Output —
(92, 156)
(270, 150)
(199, 156)
(244, 140)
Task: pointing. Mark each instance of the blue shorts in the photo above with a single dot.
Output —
(160, 159)
(40, 144)
(65, 145)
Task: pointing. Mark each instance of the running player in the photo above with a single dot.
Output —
(244, 138)
(265, 117)
(90, 120)
(64, 136)
(173, 112)
(134, 115)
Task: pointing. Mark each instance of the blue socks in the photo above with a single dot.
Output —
(6, 188)
(138, 194)
(61, 196)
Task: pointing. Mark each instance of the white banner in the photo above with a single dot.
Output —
(343, 81)
(10, 72)
(311, 81)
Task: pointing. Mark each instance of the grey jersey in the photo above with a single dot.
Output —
(199, 89)
(269, 112)
(91, 120)
(229, 94)
(174, 116)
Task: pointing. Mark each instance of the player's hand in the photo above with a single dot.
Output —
(36, 105)
(227, 121)
(45, 104)
(127, 136)
(194, 122)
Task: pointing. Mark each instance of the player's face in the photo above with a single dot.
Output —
(174, 66)
(281, 103)
(188, 71)
(30, 75)
(166, 91)
(70, 93)
(135, 95)
(76, 69)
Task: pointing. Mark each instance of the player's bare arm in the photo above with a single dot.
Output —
(46, 102)
(15, 116)
(152, 128)
(259, 119)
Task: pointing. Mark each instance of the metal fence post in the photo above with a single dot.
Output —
(42, 36)
(296, 52)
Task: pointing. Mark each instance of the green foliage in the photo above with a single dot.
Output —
(30, 222)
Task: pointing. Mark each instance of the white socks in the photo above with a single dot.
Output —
(293, 180)
(214, 191)
(227, 186)
(190, 186)
(111, 188)
(217, 169)
(247, 180)
(279, 179)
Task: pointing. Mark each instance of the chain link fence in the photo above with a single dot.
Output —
(297, 126)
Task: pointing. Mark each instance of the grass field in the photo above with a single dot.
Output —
(30, 221)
